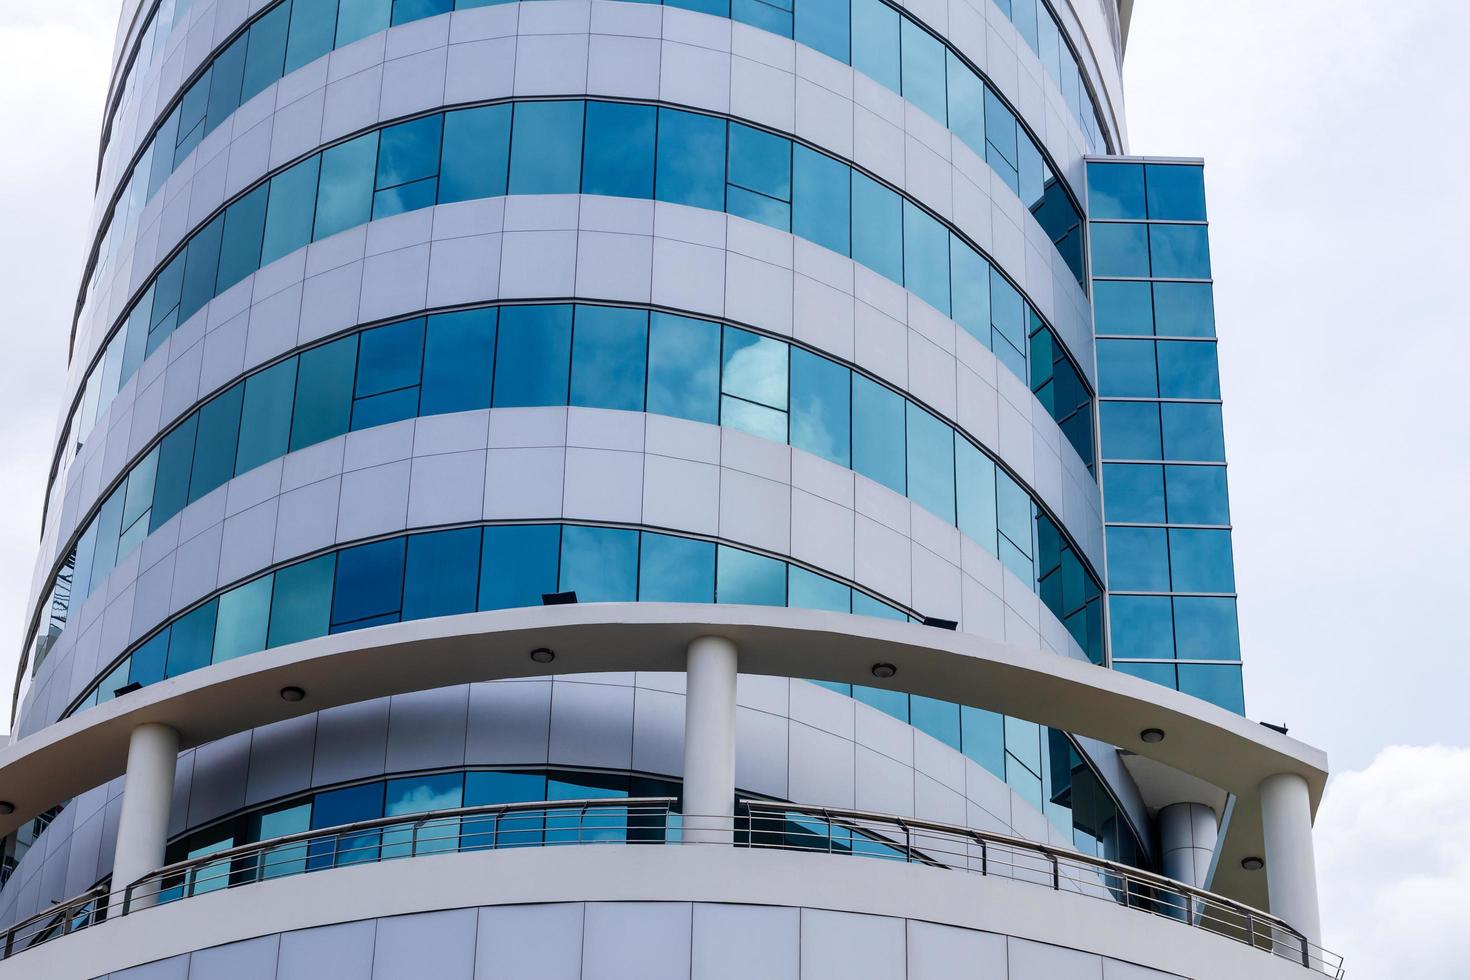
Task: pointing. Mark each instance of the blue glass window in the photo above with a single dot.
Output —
(746, 578)
(1193, 432)
(1123, 307)
(518, 565)
(290, 211)
(345, 197)
(923, 69)
(821, 209)
(877, 226)
(600, 564)
(926, 257)
(1205, 628)
(759, 176)
(201, 269)
(191, 640)
(1130, 430)
(266, 54)
(808, 590)
(243, 233)
(1138, 559)
(609, 355)
(1179, 251)
(546, 148)
(966, 104)
(1184, 309)
(619, 149)
(691, 160)
(214, 449)
(1008, 323)
(878, 450)
(1142, 627)
(892, 703)
(441, 573)
(684, 368)
(875, 45)
(1201, 560)
(1120, 250)
(674, 569)
(821, 406)
(969, 288)
(1115, 190)
(824, 25)
(1175, 193)
(975, 491)
(938, 719)
(1197, 495)
(459, 361)
(1156, 673)
(389, 357)
(1188, 369)
(333, 808)
(1126, 368)
(148, 663)
(532, 355)
(1134, 493)
(1217, 683)
(369, 584)
(476, 155)
(356, 19)
(302, 605)
(242, 618)
(982, 738)
(323, 392)
(408, 166)
(406, 11)
(931, 480)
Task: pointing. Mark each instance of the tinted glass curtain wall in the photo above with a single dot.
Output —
(1171, 575)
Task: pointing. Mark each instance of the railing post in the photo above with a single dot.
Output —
(984, 857)
(1056, 873)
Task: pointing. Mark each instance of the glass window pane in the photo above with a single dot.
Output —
(532, 355)
(966, 104)
(1115, 190)
(865, 605)
(821, 406)
(171, 484)
(1007, 319)
(1204, 628)
(758, 420)
(821, 203)
(369, 582)
(313, 28)
(877, 225)
(600, 564)
(969, 288)
(459, 362)
(1000, 135)
(345, 196)
(244, 613)
(808, 590)
(1119, 250)
(1142, 627)
(878, 446)
(754, 368)
(975, 486)
(139, 496)
(265, 415)
(1130, 430)
(875, 45)
(926, 257)
(1219, 684)
(938, 719)
(1123, 307)
(931, 478)
(1184, 309)
(892, 703)
(407, 11)
(476, 153)
(1126, 368)
(266, 54)
(389, 357)
(1163, 674)
(760, 161)
(323, 392)
(191, 640)
(1188, 369)
(982, 738)
(824, 25)
(749, 579)
(1193, 432)
(1013, 514)
(409, 151)
(518, 565)
(441, 573)
(923, 69)
(243, 234)
(291, 209)
(684, 368)
(609, 357)
(148, 663)
(302, 604)
(691, 160)
(1179, 251)
(1138, 559)
(675, 569)
(546, 148)
(201, 269)
(405, 197)
(424, 794)
(1197, 495)
(1134, 493)
(393, 406)
(1175, 193)
(356, 19)
(214, 451)
(619, 150)
(1201, 561)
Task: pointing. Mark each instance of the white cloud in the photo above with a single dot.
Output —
(1393, 865)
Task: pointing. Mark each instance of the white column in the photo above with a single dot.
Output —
(142, 828)
(1187, 835)
(709, 742)
(1291, 864)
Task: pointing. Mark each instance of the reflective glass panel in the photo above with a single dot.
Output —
(1201, 561)
(1184, 309)
(749, 579)
(1175, 193)
(1120, 250)
(619, 150)
(1138, 559)
(459, 361)
(1197, 495)
(546, 148)
(1142, 627)
(369, 582)
(1123, 307)
(674, 569)
(878, 450)
(609, 355)
(1205, 628)
(441, 573)
(1188, 369)
(821, 406)
(1115, 190)
(1178, 251)
(691, 160)
(532, 355)
(518, 565)
(684, 368)
(600, 564)
(476, 155)
(302, 606)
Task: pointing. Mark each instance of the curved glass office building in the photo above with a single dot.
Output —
(607, 489)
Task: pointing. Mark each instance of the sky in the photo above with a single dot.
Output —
(1334, 139)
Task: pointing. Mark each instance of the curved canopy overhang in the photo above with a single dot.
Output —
(1219, 747)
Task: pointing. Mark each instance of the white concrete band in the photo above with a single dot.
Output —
(142, 828)
(1291, 864)
(709, 741)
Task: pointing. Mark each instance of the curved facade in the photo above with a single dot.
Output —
(495, 427)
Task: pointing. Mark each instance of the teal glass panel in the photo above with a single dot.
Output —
(334, 808)
(532, 356)
(441, 574)
(345, 196)
(214, 450)
(1179, 251)
(301, 608)
(244, 231)
(969, 289)
(1130, 430)
(691, 160)
(931, 477)
(1013, 518)
(878, 450)
(108, 526)
(1008, 323)
(476, 154)
(313, 28)
(171, 484)
(518, 565)
(808, 590)
(684, 368)
(409, 151)
(1201, 561)
(926, 257)
(1157, 673)
(244, 614)
(1127, 369)
(865, 605)
(82, 555)
(600, 564)
(407, 11)
(369, 582)
(1138, 559)
(166, 301)
(982, 739)
(1119, 250)
(745, 578)
(356, 19)
(1123, 307)
(323, 392)
(389, 357)
(148, 663)
(966, 104)
(265, 415)
(1000, 139)
(191, 640)
(1115, 190)
(139, 496)
(459, 362)
(392, 406)
(877, 225)
(1218, 684)
(609, 357)
(1205, 628)
(923, 69)
(937, 719)
(619, 150)
(201, 268)
(412, 795)
(975, 492)
(773, 16)
(1142, 626)
(226, 76)
(1188, 369)
(821, 406)
(825, 26)
(674, 569)
(893, 703)
(1175, 192)
(754, 368)
(821, 202)
(546, 148)
(1184, 309)
(758, 420)
(1193, 432)
(1133, 493)
(1197, 495)
(715, 8)
(760, 161)
(875, 43)
(291, 210)
(265, 57)
(191, 118)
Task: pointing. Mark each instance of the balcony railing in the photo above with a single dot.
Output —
(654, 820)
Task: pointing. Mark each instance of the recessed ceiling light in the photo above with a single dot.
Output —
(1152, 735)
(1252, 863)
(542, 655)
(292, 694)
(6, 807)
(884, 671)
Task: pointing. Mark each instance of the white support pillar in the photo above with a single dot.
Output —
(1291, 863)
(1187, 836)
(709, 742)
(142, 828)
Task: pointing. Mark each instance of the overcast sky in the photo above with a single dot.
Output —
(1335, 142)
